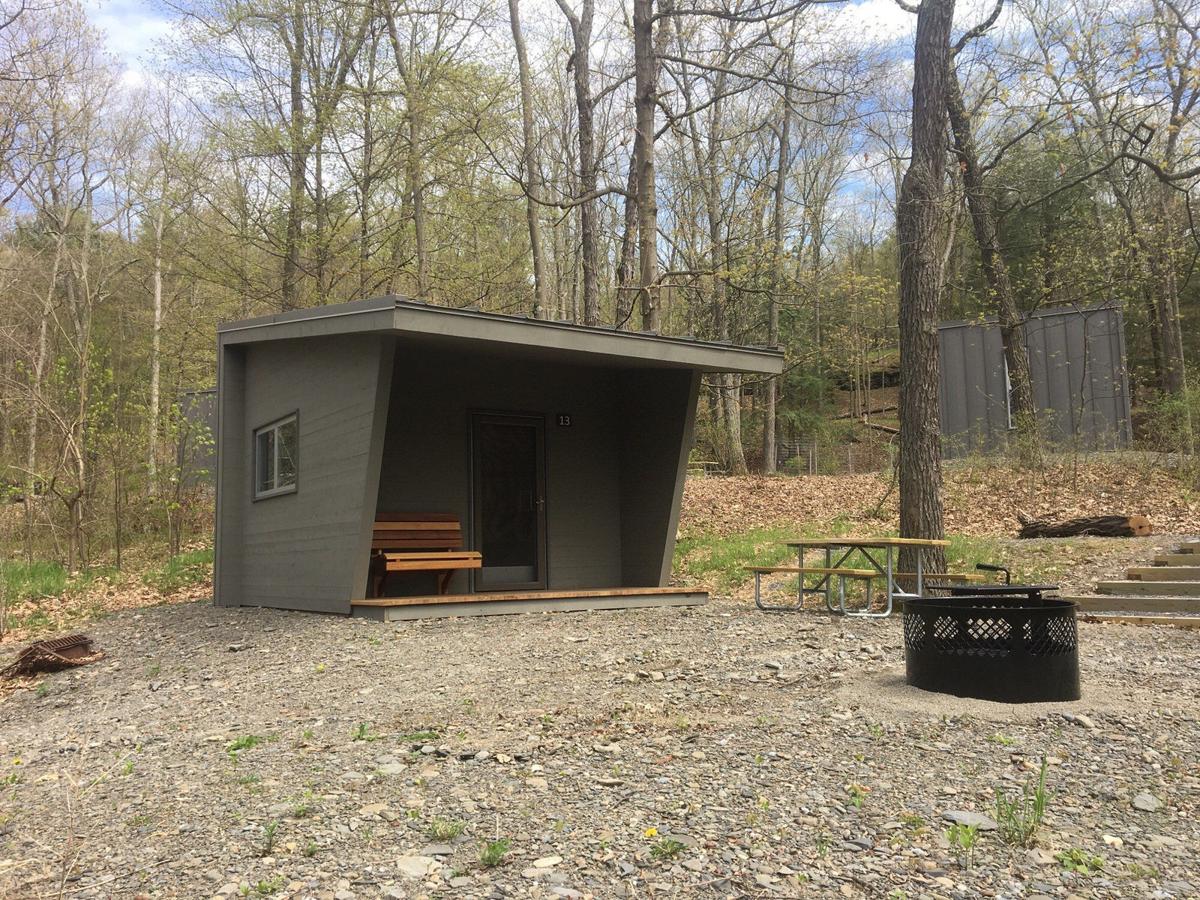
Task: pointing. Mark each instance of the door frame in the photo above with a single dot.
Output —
(538, 422)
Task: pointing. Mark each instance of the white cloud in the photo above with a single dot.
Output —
(132, 29)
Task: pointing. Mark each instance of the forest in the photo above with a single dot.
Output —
(727, 169)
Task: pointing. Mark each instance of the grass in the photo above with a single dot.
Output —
(444, 829)
(1081, 862)
(26, 581)
(181, 571)
(1020, 817)
(492, 853)
(245, 742)
(720, 561)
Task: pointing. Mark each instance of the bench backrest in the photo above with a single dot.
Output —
(416, 531)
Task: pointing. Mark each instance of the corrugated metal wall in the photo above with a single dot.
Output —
(1077, 360)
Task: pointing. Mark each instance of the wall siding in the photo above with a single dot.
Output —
(305, 550)
(427, 453)
(1077, 362)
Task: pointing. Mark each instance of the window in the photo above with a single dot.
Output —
(276, 458)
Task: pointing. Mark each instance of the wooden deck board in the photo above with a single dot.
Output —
(393, 609)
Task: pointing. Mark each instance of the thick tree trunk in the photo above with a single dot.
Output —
(918, 216)
(541, 304)
(645, 97)
(778, 273)
(995, 269)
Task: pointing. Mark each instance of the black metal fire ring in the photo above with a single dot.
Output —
(1008, 649)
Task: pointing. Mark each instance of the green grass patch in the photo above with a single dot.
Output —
(181, 571)
(31, 581)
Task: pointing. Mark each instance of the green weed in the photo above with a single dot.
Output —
(963, 839)
(245, 742)
(269, 886)
(667, 848)
(269, 833)
(363, 733)
(1076, 860)
(492, 853)
(1020, 817)
(444, 829)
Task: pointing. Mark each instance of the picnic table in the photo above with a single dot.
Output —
(879, 553)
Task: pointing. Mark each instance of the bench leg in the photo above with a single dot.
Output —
(443, 580)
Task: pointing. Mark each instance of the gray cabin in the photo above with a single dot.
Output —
(397, 460)
(1080, 384)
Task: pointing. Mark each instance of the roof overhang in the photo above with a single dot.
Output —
(471, 329)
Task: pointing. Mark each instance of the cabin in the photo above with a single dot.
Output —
(392, 459)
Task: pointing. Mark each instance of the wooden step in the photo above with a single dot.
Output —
(394, 609)
(1189, 547)
(1164, 573)
(1152, 588)
(1139, 604)
(1192, 622)
(1176, 559)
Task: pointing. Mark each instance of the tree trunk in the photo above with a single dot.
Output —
(541, 305)
(646, 91)
(580, 64)
(995, 269)
(297, 164)
(778, 262)
(155, 345)
(918, 215)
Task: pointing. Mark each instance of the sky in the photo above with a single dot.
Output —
(134, 26)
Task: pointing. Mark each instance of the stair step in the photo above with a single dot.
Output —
(1150, 588)
(1139, 604)
(1189, 547)
(1164, 573)
(1176, 559)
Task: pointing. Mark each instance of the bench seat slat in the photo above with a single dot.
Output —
(796, 570)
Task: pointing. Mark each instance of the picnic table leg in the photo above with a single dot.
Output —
(920, 573)
(758, 589)
(891, 587)
(829, 581)
(800, 576)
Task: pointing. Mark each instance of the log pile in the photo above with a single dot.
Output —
(1098, 526)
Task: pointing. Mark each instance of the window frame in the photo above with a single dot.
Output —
(273, 426)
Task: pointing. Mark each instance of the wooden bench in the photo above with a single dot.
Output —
(418, 542)
(840, 574)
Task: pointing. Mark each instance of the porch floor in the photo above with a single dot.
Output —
(394, 609)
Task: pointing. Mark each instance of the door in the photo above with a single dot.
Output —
(508, 510)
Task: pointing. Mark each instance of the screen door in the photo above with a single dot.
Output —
(508, 513)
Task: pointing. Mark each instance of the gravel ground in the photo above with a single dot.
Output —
(707, 752)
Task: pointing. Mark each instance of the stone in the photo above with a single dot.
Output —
(437, 850)
(538, 784)
(546, 862)
(1146, 802)
(969, 817)
(392, 769)
(416, 866)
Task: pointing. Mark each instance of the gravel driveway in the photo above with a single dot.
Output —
(683, 753)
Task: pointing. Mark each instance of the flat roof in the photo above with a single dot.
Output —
(503, 333)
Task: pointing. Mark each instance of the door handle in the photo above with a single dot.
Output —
(540, 503)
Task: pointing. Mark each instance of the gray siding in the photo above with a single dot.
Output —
(658, 414)
(1077, 362)
(426, 460)
(306, 550)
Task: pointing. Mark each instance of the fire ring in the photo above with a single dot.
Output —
(1008, 649)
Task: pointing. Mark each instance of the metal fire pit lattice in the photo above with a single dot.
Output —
(1009, 649)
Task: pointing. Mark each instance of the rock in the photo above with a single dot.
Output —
(1039, 857)
(460, 881)
(609, 782)
(437, 850)
(392, 769)
(1113, 841)
(538, 784)
(1081, 719)
(546, 862)
(416, 866)
(1146, 802)
(969, 817)
(773, 666)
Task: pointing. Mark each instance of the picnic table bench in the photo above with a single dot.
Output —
(418, 542)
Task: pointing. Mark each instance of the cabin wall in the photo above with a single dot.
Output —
(305, 550)
(427, 454)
